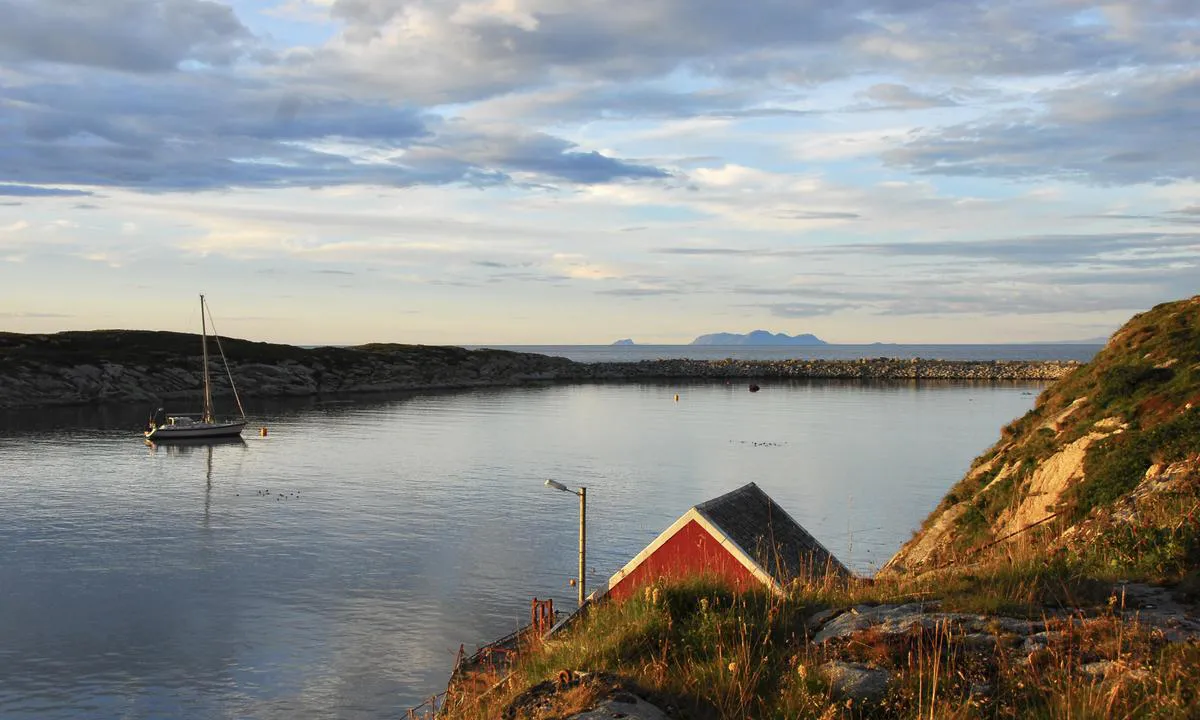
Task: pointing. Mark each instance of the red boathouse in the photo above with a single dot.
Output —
(743, 536)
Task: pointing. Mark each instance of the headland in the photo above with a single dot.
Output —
(132, 366)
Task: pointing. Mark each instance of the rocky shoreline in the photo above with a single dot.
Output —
(145, 367)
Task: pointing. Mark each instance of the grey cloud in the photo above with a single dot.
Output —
(639, 292)
(984, 294)
(701, 251)
(1104, 131)
(499, 153)
(35, 191)
(528, 277)
(806, 310)
(40, 315)
(818, 215)
(1039, 249)
(617, 100)
(892, 95)
(196, 132)
(468, 51)
(129, 35)
(333, 272)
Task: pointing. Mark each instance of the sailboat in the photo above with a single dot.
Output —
(189, 427)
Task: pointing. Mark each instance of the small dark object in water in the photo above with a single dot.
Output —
(753, 388)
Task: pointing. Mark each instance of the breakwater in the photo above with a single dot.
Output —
(860, 369)
(164, 368)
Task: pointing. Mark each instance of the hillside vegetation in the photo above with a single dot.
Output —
(1104, 471)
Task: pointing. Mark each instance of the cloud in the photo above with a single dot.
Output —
(1114, 129)
(639, 292)
(33, 191)
(199, 132)
(1043, 249)
(807, 310)
(538, 154)
(128, 35)
(1035, 250)
(894, 95)
(701, 251)
(28, 315)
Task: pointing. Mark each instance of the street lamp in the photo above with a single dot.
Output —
(582, 493)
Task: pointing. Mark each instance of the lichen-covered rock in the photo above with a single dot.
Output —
(856, 681)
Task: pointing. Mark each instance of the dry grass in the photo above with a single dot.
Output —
(714, 653)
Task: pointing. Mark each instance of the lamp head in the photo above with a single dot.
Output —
(558, 486)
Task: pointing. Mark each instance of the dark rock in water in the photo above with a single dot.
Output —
(754, 388)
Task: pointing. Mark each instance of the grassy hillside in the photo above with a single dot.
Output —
(1105, 469)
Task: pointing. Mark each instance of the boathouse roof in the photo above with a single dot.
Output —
(769, 535)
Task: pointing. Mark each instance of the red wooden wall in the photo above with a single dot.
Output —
(690, 551)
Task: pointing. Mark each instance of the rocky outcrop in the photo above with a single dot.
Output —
(1105, 470)
(142, 367)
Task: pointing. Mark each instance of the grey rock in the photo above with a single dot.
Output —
(859, 682)
(1097, 669)
(623, 705)
(1035, 642)
(818, 620)
(978, 641)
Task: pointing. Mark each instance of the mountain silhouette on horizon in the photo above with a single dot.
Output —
(758, 337)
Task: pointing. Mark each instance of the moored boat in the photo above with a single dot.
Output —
(188, 426)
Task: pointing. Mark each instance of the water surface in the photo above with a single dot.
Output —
(332, 568)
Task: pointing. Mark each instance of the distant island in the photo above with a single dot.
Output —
(758, 337)
(625, 341)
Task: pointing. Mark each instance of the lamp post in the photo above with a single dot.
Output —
(582, 493)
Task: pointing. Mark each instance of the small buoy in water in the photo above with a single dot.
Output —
(676, 397)
(262, 432)
(753, 388)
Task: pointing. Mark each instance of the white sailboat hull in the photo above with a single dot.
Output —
(195, 431)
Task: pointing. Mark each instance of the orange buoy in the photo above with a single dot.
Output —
(262, 432)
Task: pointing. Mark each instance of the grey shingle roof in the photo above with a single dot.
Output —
(750, 518)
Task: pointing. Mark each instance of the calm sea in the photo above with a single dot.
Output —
(633, 353)
(331, 569)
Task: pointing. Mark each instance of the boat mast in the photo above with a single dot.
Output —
(207, 415)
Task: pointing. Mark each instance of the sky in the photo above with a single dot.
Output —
(579, 171)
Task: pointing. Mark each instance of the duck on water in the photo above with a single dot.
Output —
(187, 426)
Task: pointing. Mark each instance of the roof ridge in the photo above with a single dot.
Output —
(702, 507)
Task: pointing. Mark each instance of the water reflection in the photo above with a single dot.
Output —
(331, 569)
(189, 446)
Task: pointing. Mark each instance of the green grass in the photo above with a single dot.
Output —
(1115, 465)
